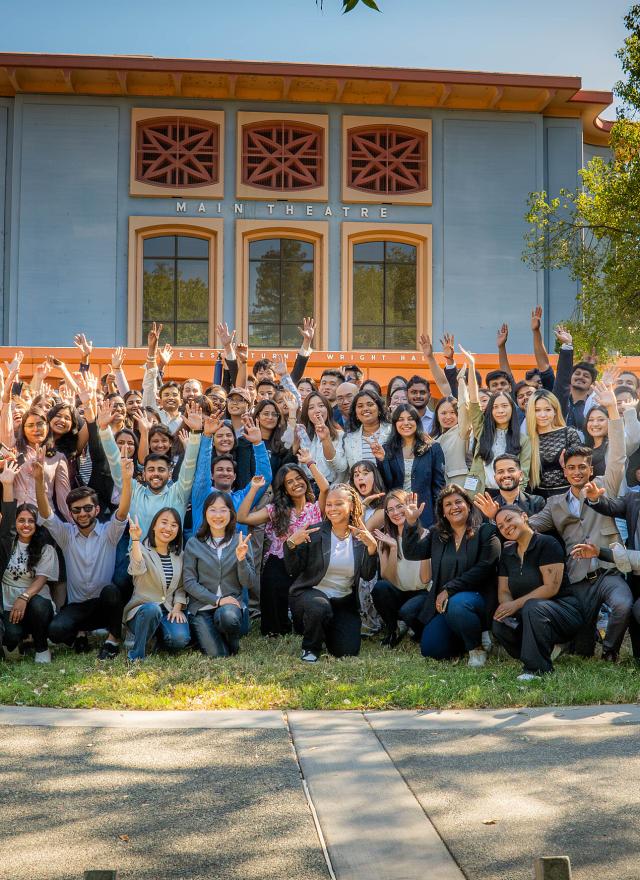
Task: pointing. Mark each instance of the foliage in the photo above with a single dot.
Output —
(594, 231)
(268, 674)
(349, 5)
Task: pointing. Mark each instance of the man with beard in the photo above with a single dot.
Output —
(509, 476)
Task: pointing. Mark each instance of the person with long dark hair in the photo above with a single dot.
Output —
(218, 568)
(28, 562)
(367, 480)
(158, 600)
(294, 507)
(70, 436)
(411, 461)
(367, 424)
(464, 555)
(318, 432)
(326, 563)
(496, 431)
(267, 417)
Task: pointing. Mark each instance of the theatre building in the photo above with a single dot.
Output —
(384, 201)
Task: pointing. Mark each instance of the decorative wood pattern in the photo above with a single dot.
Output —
(282, 156)
(177, 152)
(387, 160)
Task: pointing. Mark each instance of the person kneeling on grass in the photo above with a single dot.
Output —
(326, 563)
(464, 556)
(28, 563)
(218, 568)
(158, 600)
(537, 608)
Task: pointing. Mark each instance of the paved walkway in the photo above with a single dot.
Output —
(382, 796)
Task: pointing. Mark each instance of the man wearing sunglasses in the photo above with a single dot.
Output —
(89, 550)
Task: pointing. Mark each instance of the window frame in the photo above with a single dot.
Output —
(314, 232)
(142, 228)
(417, 234)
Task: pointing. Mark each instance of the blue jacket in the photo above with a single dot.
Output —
(202, 486)
(427, 477)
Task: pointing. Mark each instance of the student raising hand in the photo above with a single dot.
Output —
(242, 547)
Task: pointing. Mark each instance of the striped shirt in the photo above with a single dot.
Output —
(167, 567)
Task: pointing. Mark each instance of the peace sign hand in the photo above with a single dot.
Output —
(303, 535)
(135, 532)
(242, 547)
(360, 532)
(376, 448)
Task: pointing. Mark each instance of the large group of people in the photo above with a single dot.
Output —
(489, 512)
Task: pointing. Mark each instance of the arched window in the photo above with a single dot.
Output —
(281, 290)
(385, 298)
(175, 288)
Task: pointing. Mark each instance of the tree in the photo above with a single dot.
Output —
(594, 232)
(349, 5)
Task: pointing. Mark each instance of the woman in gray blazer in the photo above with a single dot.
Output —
(218, 566)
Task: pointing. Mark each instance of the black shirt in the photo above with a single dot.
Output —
(524, 576)
(530, 504)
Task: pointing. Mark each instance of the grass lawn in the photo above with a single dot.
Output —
(268, 674)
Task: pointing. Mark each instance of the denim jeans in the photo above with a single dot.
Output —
(456, 631)
(150, 618)
(218, 631)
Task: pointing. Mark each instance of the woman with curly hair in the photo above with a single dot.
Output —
(294, 506)
(28, 562)
(319, 433)
(326, 563)
(464, 555)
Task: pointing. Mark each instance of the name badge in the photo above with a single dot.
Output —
(471, 483)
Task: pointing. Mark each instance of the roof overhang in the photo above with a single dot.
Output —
(219, 80)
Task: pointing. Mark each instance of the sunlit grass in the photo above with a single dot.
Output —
(268, 674)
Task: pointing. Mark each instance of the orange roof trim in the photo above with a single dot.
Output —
(217, 79)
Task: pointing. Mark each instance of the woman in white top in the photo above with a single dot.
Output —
(29, 562)
(400, 579)
(158, 601)
(367, 424)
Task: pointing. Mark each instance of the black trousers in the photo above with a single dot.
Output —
(542, 623)
(274, 598)
(612, 589)
(35, 622)
(323, 621)
(388, 601)
(105, 611)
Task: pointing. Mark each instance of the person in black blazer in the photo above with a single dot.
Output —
(464, 555)
(327, 562)
(407, 449)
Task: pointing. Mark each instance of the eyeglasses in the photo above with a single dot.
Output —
(84, 508)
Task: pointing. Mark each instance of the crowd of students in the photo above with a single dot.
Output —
(177, 516)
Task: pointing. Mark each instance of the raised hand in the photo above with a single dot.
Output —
(563, 336)
(153, 337)
(610, 375)
(193, 416)
(383, 538)
(280, 364)
(135, 532)
(303, 535)
(591, 357)
(625, 405)
(86, 388)
(165, 354)
(242, 547)
(605, 395)
(9, 472)
(502, 335)
(85, 346)
(14, 366)
(117, 358)
(257, 482)
(412, 511)
(371, 499)
(144, 424)
(593, 492)
(105, 415)
(289, 403)
(470, 358)
(376, 448)
(183, 437)
(448, 346)
(226, 336)
(210, 425)
(425, 345)
(37, 465)
(43, 370)
(536, 319)
(251, 431)
(242, 352)
(304, 455)
(128, 469)
(486, 505)
(307, 331)
(322, 432)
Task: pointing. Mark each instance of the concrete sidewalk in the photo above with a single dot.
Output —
(394, 795)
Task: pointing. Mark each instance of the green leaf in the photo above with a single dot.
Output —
(348, 5)
(371, 4)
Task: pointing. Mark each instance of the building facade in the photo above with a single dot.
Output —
(383, 201)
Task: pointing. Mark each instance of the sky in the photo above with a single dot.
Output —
(569, 37)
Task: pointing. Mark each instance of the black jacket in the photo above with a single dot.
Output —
(427, 477)
(483, 553)
(308, 563)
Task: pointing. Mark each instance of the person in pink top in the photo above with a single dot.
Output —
(294, 507)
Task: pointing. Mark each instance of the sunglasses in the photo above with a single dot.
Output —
(84, 508)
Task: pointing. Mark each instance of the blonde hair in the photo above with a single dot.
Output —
(532, 429)
(357, 510)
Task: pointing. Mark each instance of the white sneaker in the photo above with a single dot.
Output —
(485, 639)
(528, 676)
(477, 658)
(43, 656)
(308, 657)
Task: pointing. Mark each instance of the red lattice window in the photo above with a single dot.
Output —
(175, 151)
(282, 155)
(387, 160)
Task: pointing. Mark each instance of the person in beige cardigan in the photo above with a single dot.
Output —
(158, 600)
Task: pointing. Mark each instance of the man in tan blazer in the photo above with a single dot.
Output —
(594, 581)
